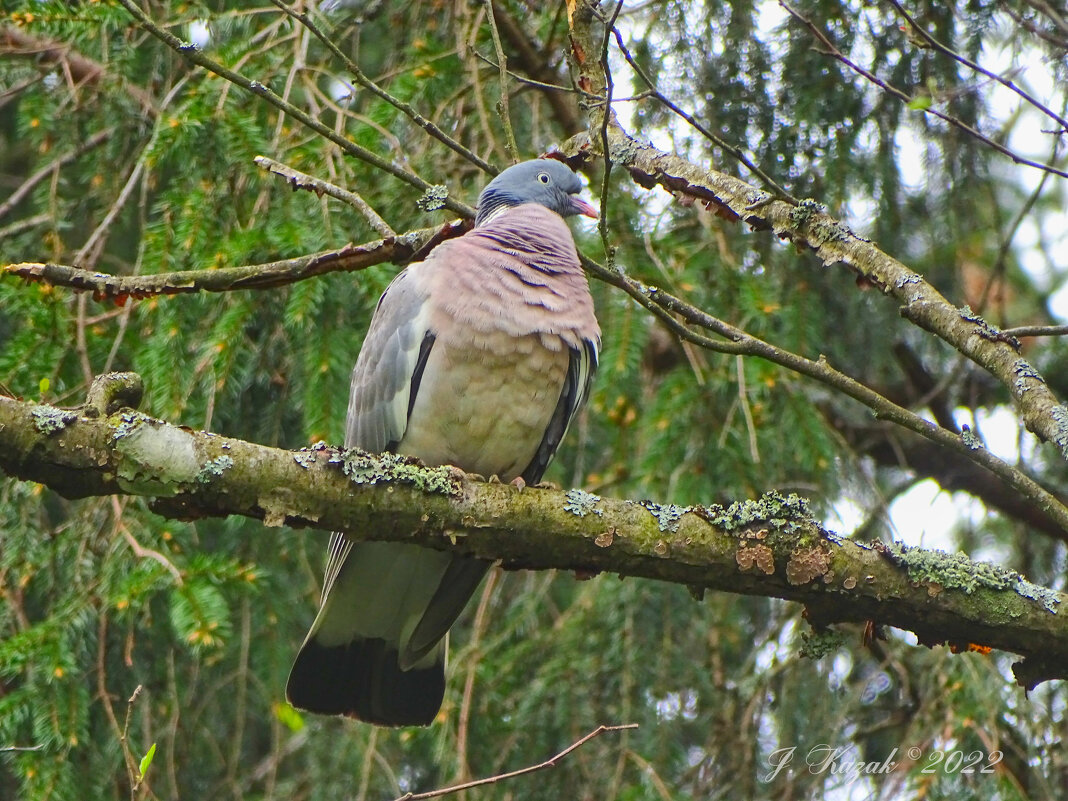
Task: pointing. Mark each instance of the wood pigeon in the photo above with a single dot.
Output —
(479, 357)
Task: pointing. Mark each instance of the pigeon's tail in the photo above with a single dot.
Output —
(377, 648)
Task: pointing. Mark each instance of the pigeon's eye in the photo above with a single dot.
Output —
(543, 177)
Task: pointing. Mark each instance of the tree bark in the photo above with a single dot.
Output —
(771, 546)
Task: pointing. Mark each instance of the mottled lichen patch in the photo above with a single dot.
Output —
(304, 457)
(581, 503)
(958, 572)
(1024, 374)
(365, 468)
(667, 515)
(49, 419)
(805, 211)
(807, 564)
(128, 423)
(433, 198)
(782, 512)
(970, 439)
(1060, 437)
(214, 467)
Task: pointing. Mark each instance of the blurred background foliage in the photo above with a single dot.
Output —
(117, 155)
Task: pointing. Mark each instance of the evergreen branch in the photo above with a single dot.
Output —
(551, 762)
(975, 67)
(27, 186)
(351, 258)
(80, 68)
(835, 53)
(769, 547)
(722, 144)
(301, 180)
(407, 108)
(192, 53)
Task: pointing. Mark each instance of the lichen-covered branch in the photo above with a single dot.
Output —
(770, 547)
(806, 225)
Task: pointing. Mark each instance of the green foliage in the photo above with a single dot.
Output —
(98, 597)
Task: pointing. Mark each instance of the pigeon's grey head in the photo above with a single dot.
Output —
(546, 181)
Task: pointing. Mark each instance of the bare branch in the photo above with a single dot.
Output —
(301, 180)
(1036, 331)
(502, 104)
(833, 242)
(350, 258)
(548, 763)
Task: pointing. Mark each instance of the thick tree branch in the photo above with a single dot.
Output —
(769, 547)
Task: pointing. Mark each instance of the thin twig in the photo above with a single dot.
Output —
(890, 89)
(515, 76)
(195, 55)
(549, 763)
(361, 78)
(301, 180)
(502, 104)
(131, 768)
(1037, 331)
(606, 114)
(747, 413)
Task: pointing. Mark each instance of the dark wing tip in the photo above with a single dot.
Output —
(363, 680)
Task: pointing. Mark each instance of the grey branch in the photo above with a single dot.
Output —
(768, 547)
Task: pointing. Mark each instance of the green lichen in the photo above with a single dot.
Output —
(804, 211)
(958, 572)
(667, 515)
(214, 467)
(386, 468)
(1060, 437)
(304, 457)
(821, 643)
(49, 419)
(433, 198)
(1044, 595)
(129, 422)
(582, 503)
(1024, 373)
(970, 438)
(906, 279)
(832, 231)
(780, 511)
